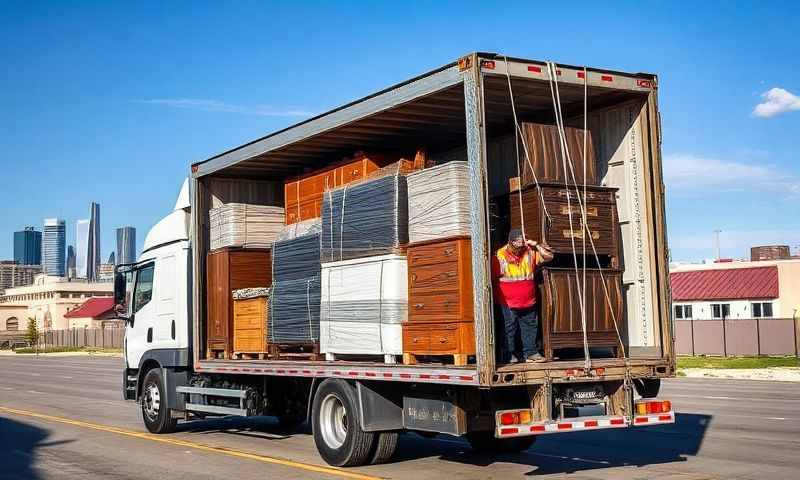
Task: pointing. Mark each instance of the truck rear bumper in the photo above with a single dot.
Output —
(582, 423)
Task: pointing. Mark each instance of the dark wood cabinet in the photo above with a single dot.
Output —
(230, 269)
(561, 308)
(440, 310)
(562, 205)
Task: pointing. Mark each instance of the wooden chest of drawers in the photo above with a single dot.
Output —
(250, 325)
(226, 270)
(440, 319)
(601, 216)
(561, 309)
(303, 197)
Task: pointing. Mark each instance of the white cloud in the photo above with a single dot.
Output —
(776, 101)
(218, 106)
(694, 175)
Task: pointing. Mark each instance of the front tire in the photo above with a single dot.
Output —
(338, 435)
(157, 417)
(485, 441)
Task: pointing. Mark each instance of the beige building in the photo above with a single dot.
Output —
(15, 275)
(47, 301)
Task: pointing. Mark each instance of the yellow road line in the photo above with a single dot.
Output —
(337, 472)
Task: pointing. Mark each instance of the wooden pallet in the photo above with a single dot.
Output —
(250, 355)
(294, 351)
(458, 359)
(385, 358)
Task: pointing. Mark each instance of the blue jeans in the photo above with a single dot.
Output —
(527, 322)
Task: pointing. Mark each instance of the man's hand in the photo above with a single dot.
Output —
(531, 243)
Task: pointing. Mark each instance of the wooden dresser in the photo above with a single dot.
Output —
(250, 325)
(561, 312)
(601, 216)
(226, 270)
(303, 196)
(440, 320)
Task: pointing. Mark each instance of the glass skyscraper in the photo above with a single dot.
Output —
(54, 241)
(81, 248)
(126, 245)
(28, 247)
(93, 259)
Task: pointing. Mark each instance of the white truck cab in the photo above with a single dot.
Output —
(155, 302)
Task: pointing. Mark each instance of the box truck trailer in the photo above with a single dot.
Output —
(357, 408)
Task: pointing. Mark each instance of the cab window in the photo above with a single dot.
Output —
(143, 291)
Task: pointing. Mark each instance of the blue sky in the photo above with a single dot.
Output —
(112, 101)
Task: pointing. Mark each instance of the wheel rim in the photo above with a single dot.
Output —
(151, 401)
(333, 421)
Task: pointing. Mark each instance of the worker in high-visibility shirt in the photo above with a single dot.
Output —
(514, 267)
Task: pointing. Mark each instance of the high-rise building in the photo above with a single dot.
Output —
(54, 239)
(126, 245)
(81, 248)
(13, 274)
(111, 259)
(93, 255)
(28, 247)
(70, 261)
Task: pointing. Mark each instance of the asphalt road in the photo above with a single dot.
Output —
(62, 417)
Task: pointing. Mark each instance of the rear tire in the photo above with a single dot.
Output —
(338, 435)
(647, 387)
(385, 447)
(485, 441)
(157, 417)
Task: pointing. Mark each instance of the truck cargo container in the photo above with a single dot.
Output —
(357, 407)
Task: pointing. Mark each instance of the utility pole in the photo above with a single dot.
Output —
(717, 232)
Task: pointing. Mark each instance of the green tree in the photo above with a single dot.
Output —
(32, 335)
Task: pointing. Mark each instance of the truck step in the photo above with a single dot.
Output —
(214, 392)
(214, 409)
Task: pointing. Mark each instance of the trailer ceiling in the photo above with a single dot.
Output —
(435, 121)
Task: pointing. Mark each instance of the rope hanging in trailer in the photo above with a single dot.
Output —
(556, 97)
(584, 217)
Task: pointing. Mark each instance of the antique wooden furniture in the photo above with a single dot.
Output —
(303, 196)
(546, 157)
(601, 217)
(560, 314)
(226, 270)
(440, 320)
(250, 326)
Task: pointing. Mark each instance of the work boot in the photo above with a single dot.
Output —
(535, 358)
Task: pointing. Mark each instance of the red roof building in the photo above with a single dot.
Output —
(725, 284)
(96, 312)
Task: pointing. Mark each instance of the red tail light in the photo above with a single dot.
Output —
(509, 418)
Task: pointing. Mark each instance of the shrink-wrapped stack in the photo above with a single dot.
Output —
(244, 225)
(364, 303)
(366, 219)
(438, 202)
(295, 296)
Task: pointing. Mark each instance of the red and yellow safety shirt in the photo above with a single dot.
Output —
(515, 286)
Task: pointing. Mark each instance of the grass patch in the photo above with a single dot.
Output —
(737, 362)
(68, 349)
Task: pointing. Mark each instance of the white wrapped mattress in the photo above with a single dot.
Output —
(438, 202)
(364, 303)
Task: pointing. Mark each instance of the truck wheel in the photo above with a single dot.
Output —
(337, 428)
(385, 448)
(647, 387)
(156, 415)
(485, 441)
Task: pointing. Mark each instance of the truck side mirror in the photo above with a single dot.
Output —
(120, 285)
